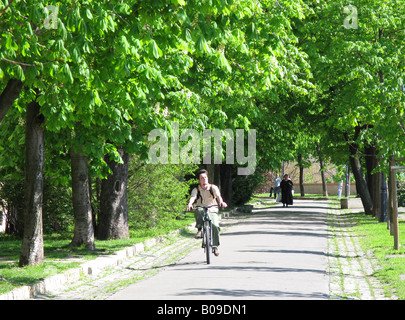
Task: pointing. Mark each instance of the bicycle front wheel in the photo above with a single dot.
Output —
(208, 241)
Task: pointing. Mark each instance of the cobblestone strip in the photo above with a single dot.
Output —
(350, 269)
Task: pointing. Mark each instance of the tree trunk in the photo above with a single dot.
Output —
(376, 195)
(217, 175)
(9, 95)
(301, 175)
(83, 229)
(32, 249)
(361, 183)
(347, 182)
(373, 179)
(211, 172)
(324, 186)
(113, 217)
(226, 183)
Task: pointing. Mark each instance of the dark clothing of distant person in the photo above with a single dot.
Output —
(286, 192)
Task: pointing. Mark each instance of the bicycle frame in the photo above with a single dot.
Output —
(207, 233)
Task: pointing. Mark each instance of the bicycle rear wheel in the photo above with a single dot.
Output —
(208, 241)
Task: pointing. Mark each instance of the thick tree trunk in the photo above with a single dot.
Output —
(32, 249)
(373, 179)
(113, 216)
(9, 95)
(361, 183)
(83, 229)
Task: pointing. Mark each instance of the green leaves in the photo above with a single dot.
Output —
(117, 68)
(88, 13)
(223, 62)
(66, 71)
(97, 99)
(19, 73)
(202, 45)
(359, 70)
(178, 2)
(154, 49)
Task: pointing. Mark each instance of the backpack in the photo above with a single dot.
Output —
(199, 194)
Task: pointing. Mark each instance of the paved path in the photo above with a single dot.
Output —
(279, 253)
(306, 251)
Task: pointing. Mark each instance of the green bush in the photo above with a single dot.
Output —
(243, 187)
(157, 194)
(57, 212)
(12, 203)
(57, 208)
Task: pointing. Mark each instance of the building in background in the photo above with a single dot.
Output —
(312, 179)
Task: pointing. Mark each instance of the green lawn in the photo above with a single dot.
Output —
(374, 236)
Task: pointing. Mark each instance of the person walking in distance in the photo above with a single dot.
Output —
(277, 182)
(286, 186)
(206, 195)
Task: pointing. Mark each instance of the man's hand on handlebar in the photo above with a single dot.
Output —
(192, 207)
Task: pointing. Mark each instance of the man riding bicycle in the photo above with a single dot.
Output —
(206, 195)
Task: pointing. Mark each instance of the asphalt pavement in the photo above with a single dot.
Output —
(277, 253)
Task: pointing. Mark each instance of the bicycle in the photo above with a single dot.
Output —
(207, 233)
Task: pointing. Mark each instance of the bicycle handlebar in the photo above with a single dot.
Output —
(206, 207)
(213, 205)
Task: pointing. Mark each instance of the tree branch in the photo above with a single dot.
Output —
(18, 63)
(6, 7)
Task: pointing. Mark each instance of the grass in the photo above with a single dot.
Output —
(375, 237)
(56, 251)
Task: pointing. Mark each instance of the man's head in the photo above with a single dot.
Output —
(202, 176)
